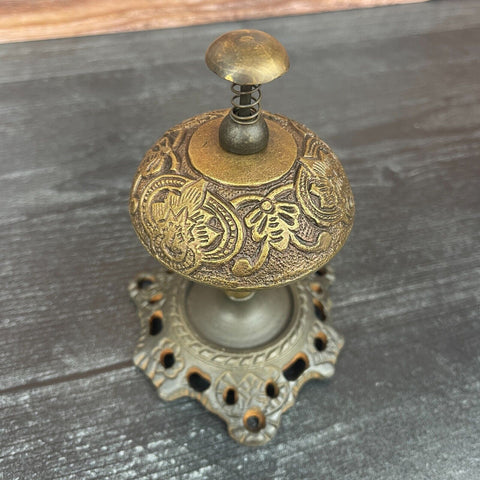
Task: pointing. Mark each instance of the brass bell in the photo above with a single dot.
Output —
(244, 209)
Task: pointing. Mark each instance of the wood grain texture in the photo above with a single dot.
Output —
(22, 20)
(394, 91)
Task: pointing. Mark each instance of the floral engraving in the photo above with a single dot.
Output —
(239, 237)
(162, 157)
(321, 186)
(274, 223)
(187, 224)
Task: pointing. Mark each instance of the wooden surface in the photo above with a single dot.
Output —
(22, 20)
(394, 91)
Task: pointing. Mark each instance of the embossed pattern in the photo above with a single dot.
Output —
(240, 237)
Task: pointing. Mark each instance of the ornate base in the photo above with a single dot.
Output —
(245, 360)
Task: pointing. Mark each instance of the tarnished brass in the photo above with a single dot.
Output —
(227, 234)
(234, 224)
(206, 155)
(249, 358)
(247, 57)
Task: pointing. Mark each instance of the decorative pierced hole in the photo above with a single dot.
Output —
(144, 282)
(169, 272)
(198, 380)
(254, 420)
(321, 272)
(296, 367)
(156, 323)
(320, 341)
(155, 298)
(230, 396)
(271, 389)
(316, 288)
(319, 310)
(167, 358)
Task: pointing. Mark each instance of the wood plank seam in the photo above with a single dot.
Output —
(22, 20)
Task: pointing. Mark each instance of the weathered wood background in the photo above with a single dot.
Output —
(41, 19)
(395, 92)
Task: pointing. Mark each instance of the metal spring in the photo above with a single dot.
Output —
(246, 103)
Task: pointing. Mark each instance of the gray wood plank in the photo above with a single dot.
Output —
(23, 61)
(112, 425)
(395, 92)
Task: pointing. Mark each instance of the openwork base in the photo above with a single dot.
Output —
(244, 360)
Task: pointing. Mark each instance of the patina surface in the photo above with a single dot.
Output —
(247, 57)
(249, 366)
(229, 230)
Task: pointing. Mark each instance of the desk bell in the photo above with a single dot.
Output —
(243, 208)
